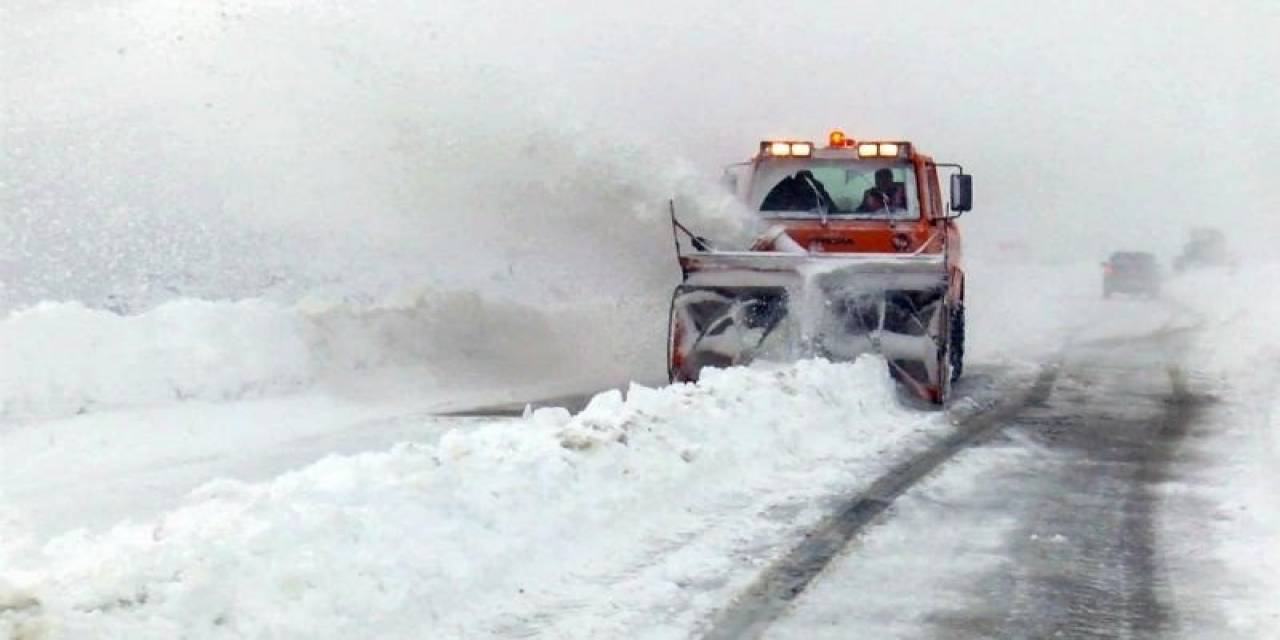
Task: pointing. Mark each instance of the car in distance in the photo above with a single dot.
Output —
(1132, 272)
(1206, 248)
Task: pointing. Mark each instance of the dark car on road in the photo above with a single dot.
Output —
(1207, 248)
(1134, 272)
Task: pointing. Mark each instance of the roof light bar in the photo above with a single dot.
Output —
(786, 149)
(878, 149)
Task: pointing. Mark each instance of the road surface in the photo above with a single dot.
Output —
(1045, 529)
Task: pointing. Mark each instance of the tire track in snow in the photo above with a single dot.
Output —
(784, 580)
(1092, 499)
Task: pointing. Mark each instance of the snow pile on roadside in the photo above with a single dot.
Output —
(540, 525)
(64, 358)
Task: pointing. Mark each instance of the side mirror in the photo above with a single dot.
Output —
(961, 192)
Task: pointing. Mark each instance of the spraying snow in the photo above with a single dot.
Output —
(268, 153)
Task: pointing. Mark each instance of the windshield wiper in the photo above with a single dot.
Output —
(817, 195)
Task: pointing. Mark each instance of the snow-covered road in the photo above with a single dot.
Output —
(1048, 531)
(1137, 501)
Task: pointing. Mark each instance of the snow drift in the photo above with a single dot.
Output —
(65, 358)
(647, 498)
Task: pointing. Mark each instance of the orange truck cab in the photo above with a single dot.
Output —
(859, 254)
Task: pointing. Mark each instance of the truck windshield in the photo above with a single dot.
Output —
(843, 188)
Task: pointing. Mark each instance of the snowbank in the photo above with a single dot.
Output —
(543, 525)
(64, 358)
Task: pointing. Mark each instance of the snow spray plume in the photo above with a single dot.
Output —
(282, 149)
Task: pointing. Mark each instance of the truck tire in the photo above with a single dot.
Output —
(957, 342)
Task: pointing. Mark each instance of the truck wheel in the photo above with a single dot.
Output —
(957, 342)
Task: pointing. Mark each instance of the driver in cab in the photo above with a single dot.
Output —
(886, 195)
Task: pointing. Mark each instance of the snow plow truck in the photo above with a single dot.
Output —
(858, 255)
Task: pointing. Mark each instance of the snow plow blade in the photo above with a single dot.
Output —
(737, 307)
